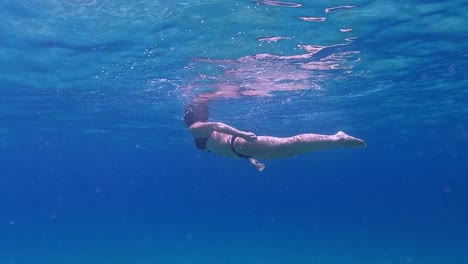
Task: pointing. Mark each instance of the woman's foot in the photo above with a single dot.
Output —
(348, 141)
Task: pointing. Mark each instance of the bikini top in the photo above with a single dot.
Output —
(201, 143)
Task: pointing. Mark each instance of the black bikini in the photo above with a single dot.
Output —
(200, 143)
(233, 149)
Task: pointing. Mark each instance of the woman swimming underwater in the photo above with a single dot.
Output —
(227, 141)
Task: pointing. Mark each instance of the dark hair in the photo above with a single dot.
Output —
(195, 112)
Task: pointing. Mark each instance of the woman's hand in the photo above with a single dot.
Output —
(248, 136)
(259, 166)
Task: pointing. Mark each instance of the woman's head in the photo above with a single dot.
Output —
(195, 112)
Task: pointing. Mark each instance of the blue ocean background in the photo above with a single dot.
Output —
(97, 166)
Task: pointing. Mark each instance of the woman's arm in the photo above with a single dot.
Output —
(203, 129)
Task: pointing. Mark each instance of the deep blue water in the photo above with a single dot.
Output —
(96, 164)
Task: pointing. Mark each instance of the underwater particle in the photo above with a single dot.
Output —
(447, 189)
(451, 69)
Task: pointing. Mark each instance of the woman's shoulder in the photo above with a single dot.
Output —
(200, 129)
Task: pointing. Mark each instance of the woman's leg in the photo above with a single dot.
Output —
(272, 147)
